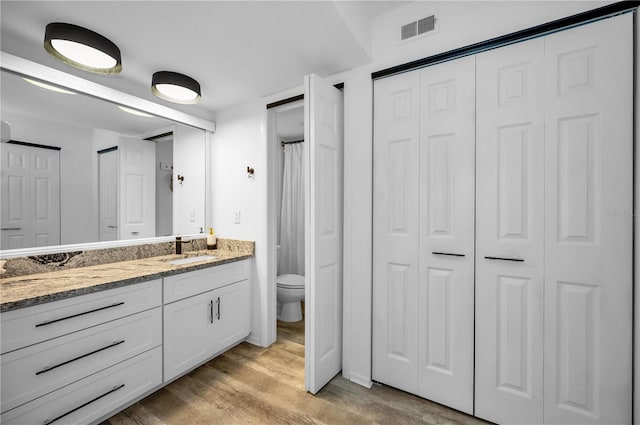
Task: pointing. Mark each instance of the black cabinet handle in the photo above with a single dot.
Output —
(218, 308)
(79, 314)
(211, 311)
(113, 390)
(48, 369)
(451, 254)
(520, 260)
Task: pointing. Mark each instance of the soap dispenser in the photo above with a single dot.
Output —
(211, 239)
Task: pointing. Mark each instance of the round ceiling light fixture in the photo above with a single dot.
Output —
(175, 87)
(82, 48)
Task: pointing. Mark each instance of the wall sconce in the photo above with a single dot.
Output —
(250, 172)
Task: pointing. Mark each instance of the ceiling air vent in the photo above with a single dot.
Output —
(415, 28)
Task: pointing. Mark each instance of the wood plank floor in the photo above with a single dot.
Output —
(253, 385)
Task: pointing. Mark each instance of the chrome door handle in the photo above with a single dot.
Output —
(519, 260)
(451, 254)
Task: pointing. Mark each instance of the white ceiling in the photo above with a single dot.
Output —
(237, 50)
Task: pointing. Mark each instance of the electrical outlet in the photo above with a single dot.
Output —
(236, 219)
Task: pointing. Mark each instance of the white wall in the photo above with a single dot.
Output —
(240, 141)
(78, 223)
(189, 161)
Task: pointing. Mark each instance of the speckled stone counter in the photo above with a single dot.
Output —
(33, 289)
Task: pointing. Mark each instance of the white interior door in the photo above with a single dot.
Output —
(589, 224)
(447, 239)
(395, 239)
(30, 196)
(510, 233)
(323, 239)
(137, 218)
(108, 194)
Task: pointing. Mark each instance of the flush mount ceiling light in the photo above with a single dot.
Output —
(82, 48)
(175, 87)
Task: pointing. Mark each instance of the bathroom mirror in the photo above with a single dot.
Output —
(79, 169)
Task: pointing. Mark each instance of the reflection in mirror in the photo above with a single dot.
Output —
(79, 169)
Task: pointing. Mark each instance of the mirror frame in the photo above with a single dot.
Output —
(24, 67)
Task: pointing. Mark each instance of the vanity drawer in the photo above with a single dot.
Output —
(31, 325)
(184, 285)
(94, 397)
(39, 369)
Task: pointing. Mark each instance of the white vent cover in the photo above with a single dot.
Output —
(419, 27)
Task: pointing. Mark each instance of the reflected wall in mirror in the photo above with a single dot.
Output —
(80, 169)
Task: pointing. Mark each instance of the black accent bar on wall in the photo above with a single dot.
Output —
(339, 86)
(514, 37)
(106, 150)
(34, 145)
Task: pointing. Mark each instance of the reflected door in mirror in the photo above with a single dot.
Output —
(30, 196)
(108, 180)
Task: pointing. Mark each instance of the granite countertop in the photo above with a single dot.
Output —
(28, 290)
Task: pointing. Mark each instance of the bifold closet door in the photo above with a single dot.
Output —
(447, 192)
(395, 236)
(589, 177)
(510, 233)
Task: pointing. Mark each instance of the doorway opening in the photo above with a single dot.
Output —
(288, 198)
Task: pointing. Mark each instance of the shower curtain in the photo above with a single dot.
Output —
(292, 212)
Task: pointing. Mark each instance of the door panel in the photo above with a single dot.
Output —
(395, 239)
(510, 226)
(137, 178)
(30, 196)
(108, 196)
(588, 237)
(323, 238)
(446, 220)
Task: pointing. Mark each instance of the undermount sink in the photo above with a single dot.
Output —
(190, 260)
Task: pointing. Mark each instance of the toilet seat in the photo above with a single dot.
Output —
(293, 281)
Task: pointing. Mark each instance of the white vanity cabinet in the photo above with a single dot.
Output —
(205, 312)
(54, 355)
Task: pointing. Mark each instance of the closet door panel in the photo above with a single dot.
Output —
(510, 232)
(588, 240)
(395, 262)
(447, 177)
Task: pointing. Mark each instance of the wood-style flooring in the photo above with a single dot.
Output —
(253, 385)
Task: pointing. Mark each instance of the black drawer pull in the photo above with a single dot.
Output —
(79, 314)
(520, 260)
(218, 308)
(211, 311)
(451, 254)
(113, 390)
(47, 369)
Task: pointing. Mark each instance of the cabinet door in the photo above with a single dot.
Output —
(232, 314)
(188, 333)
(395, 238)
(589, 223)
(447, 193)
(509, 232)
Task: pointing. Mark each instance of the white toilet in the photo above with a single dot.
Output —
(290, 291)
